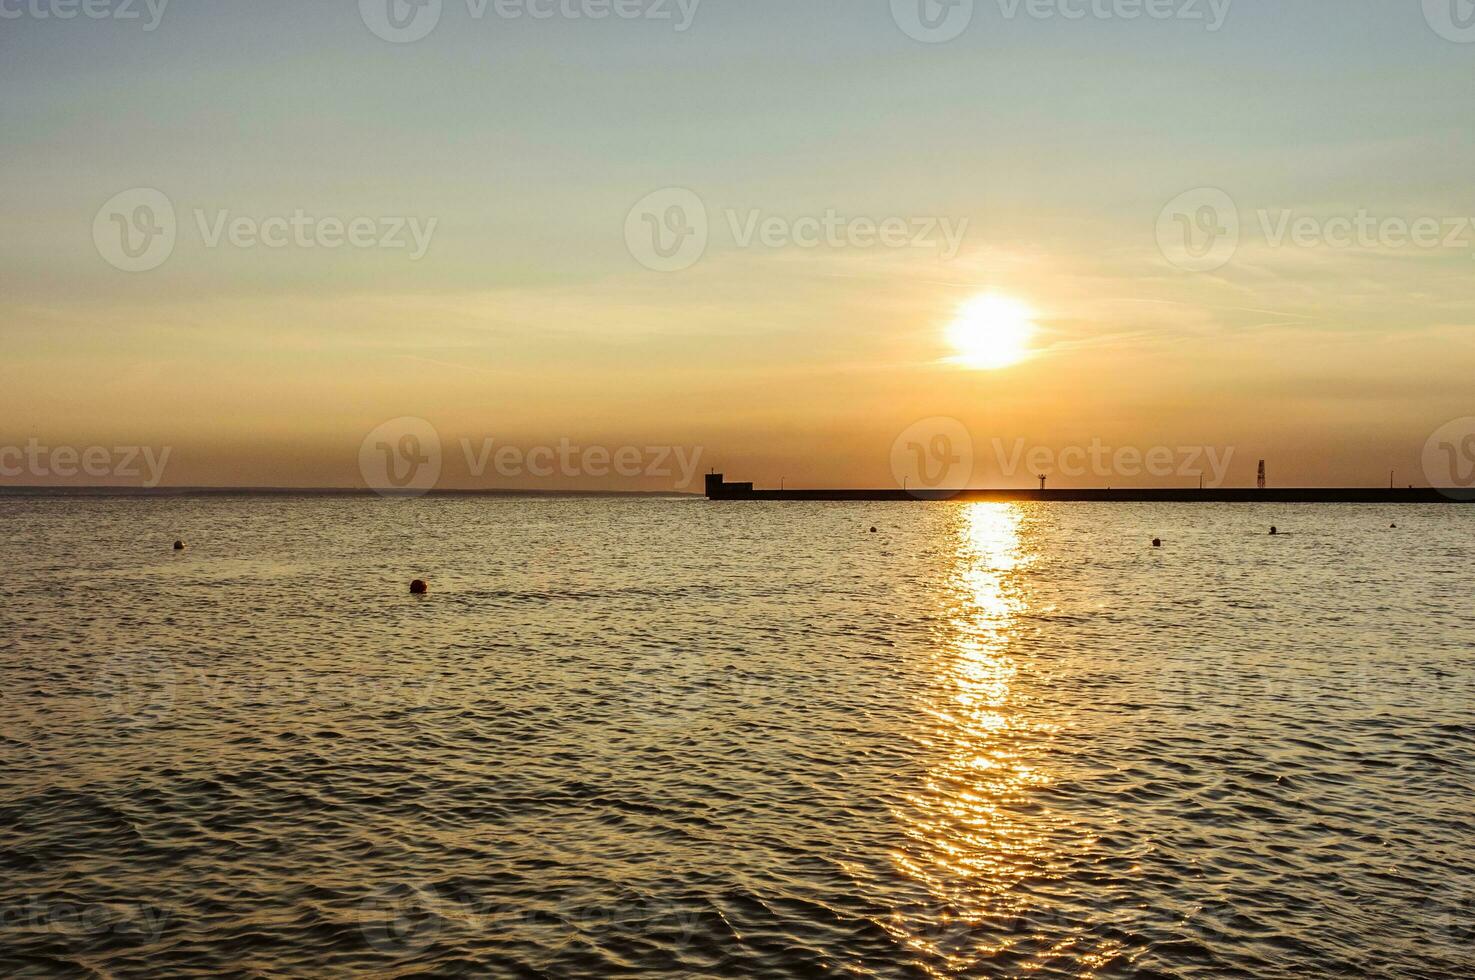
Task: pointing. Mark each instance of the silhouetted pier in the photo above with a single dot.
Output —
(719, 489)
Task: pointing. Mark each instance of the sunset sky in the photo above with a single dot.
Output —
(529, 319)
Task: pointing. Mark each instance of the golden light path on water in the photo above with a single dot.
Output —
(977, 841)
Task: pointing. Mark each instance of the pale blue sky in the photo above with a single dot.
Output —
(533, 138)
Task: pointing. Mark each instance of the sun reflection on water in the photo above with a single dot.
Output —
(977, 838)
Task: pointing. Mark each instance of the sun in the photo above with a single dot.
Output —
(992, 331)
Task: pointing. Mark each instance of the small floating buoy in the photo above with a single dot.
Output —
(418, 587)
(179, 546)
(1157, 542)
(873, 530)
(1274, 531)
(1393, 525)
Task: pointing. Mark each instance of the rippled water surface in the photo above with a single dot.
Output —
(664, 737)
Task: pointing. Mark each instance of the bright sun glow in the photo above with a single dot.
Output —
(992, 331)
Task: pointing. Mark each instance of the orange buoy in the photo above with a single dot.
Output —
(418, 587)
